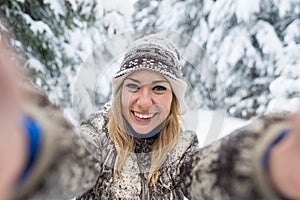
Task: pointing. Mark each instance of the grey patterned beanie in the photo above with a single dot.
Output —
(154, 52)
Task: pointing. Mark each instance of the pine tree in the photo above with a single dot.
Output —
(41, 33)
(145, 13)
(56, 37)
(245, 39)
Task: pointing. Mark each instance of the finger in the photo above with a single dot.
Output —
(296, 123)
(9, 91)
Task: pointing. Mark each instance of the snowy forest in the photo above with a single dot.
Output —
(252, 46)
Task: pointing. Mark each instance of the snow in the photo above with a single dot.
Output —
(283, 87)
(252, 43)
(38, 26)
(56, 6)
(172, 12)
(284, 7)
(292, 32)
(122, 6)
(268, 39)
(282, 104)
(220, 11)
(204, 122)
(227, 43)
(245, 9)
(34, 63)
(202, 30)
(228, 30)
(213, 42)
(83, 47)
(72, 2)
(230, 54)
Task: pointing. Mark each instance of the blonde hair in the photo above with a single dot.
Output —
(124, 141)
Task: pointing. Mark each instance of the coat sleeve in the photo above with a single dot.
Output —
(64, 167)
(231, 168)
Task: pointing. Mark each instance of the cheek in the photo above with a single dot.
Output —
(166, 102)
(126, 98)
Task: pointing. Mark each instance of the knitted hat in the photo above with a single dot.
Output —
(154, 52)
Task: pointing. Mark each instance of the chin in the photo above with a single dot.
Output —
(142, 131)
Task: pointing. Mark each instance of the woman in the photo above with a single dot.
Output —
(135, 148)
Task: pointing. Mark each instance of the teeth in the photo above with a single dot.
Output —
(143, 116)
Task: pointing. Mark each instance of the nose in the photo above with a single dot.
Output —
(144, 98)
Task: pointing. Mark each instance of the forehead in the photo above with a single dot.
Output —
(147, 76)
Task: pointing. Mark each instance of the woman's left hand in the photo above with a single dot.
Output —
(285, 162)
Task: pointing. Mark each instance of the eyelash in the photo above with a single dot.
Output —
(159, 88)
(132, 86)
(135, 87)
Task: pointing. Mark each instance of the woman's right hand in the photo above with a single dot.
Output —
(13, 143)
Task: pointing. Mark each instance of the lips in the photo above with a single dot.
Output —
(143, 116)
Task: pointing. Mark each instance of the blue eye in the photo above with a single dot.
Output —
(133, 86)
(159, 88)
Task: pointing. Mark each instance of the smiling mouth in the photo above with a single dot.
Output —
(143, 116)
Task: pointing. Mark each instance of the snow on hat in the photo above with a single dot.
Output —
(154, 52)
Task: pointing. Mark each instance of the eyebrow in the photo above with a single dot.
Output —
(153, 82)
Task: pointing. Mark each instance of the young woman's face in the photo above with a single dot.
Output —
(146, 100)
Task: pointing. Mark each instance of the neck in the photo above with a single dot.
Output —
(151, 134)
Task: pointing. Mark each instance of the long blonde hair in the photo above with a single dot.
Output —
(124, 141)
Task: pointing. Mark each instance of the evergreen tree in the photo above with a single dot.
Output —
(56, 37)
(145, 14)
(41, 33)
(245, 39)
